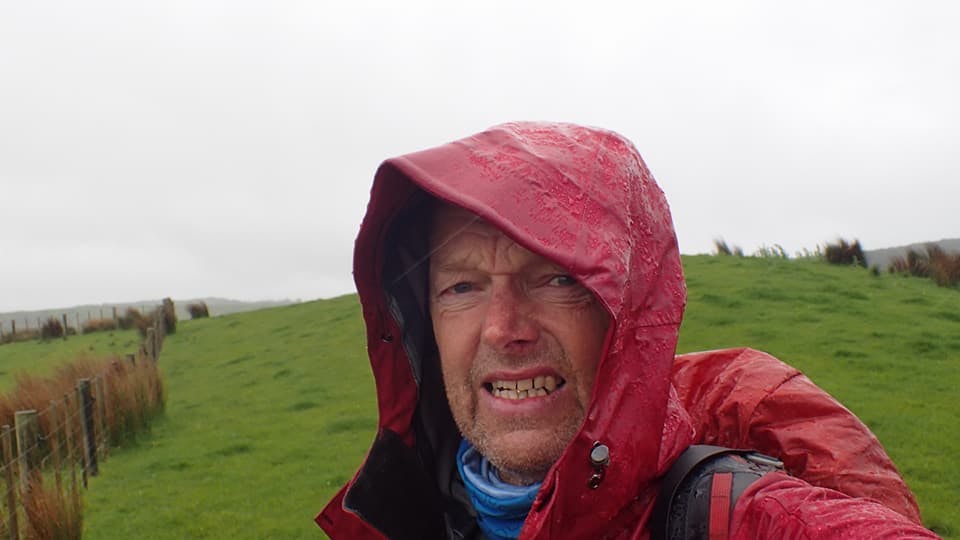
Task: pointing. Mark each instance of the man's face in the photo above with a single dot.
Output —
(519, 343)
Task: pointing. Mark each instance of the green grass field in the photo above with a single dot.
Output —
(269, 412)
(39, 357)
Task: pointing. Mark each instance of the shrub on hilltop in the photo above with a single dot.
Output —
(848, 253)
(52, 328)
(198, 310)
(723, 249)
(169, 316)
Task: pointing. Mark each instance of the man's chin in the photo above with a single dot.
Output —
(522, 457)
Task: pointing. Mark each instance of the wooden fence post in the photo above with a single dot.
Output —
(158, 340)
(65, 326)
(12, 525)
(13, 328)
(28, 438)
(148, 342)
(68, 432)
(100, 401)
(85, 401)
(54, 440)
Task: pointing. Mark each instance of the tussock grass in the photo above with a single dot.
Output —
(30, 334)
(133, 396)
(52, 328)
(847, 253)
(721, 248)
(169, 314)
(98, 325)
(51, 513)
(134, 393)
(198, 310)
(133, 318)
(943, 268)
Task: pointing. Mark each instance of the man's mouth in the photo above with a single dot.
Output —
(541, 385)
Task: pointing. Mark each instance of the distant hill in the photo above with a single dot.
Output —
(882, 257)
(216, 306)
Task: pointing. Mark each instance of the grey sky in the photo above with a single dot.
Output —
(226, 148)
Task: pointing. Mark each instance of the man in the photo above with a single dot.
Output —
(522, 291)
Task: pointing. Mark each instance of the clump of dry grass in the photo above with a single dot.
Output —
(848, 253)
(133, 394)
(21, 335)
(51, 513)
(198, 310)
(942, 267)
(169, 314)
(51, 328)
(133, 318)
(99, 325)
(136, 396)
(723, 249)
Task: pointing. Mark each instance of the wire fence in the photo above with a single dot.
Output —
(50, 452)
(29, 326)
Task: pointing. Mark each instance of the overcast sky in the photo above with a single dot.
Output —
(197, 148)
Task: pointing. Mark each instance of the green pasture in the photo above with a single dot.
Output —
(41, 357)
(269, 412)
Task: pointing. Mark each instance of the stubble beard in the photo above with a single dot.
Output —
(519, 455)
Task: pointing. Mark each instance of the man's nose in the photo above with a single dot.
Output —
(509, 325)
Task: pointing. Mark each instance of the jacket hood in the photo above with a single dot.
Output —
(583, 198)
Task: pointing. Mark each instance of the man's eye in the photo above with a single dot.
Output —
(461, 288)
(562, 281)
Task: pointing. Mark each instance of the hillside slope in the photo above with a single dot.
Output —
(888, 347)
(269, 412)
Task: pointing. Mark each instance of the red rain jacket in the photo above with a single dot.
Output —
(584, 199)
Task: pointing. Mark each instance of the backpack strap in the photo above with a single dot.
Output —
(700, 490)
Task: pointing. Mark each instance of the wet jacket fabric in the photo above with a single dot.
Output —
(584, 199)
(743, 398)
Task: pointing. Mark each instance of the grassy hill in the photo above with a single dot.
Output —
(269, 412)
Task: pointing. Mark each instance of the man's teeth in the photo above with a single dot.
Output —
(540, 385)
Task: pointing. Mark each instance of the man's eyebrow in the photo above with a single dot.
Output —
(452, 266)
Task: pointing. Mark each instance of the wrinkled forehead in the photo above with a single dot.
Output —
(461, 241)
(450, 223)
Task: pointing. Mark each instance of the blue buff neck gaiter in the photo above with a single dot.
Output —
(501, 507)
